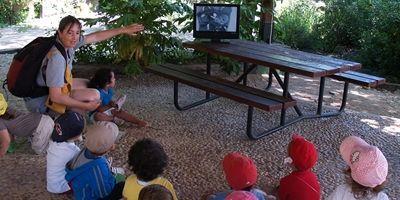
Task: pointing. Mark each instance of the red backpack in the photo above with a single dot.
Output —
(26, 64)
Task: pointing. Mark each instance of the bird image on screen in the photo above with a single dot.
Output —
(216, 18)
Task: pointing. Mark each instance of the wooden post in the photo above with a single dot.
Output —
(267, 21)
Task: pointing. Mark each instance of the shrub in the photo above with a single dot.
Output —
(295, 25)
(380, 41)
(13, 11)
(146, 48)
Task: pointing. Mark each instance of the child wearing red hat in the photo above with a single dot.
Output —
(241, 175)
(302, 183)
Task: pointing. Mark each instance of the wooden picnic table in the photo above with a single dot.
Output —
(277, 57)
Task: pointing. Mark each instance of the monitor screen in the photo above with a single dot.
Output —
(216, 21)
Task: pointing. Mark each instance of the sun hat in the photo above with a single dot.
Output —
(100, 138)
(368, 165)
(302, 152)
(240, 171)
(3, 105)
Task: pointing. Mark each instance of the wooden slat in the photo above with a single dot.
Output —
(300, 58)
(259, 60)
(379, 80)
(277, 57)
(345, 65)
(359, 78)
(219, 89)
(231, 84)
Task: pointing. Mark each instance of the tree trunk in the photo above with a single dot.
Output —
(267, 21)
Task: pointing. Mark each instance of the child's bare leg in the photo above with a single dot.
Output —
(98, 116)
(128, 117)
(5, 140)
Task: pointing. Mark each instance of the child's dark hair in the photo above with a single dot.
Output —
(147, 159)
(359, 191)
(101, 78)
(155, 192)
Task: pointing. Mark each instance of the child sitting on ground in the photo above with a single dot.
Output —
(104, 81)
(147, 160)
(367, 171)
(13, 123)
(302, 183)
(241, 175)
(67, 129)
(89, 172)
(155, 192)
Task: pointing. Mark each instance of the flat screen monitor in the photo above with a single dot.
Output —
(216, 21)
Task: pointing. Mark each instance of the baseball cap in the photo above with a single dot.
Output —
(368, 165)
(3, 105)
(100, 138)
(241, 195)
(302, 152)
(68, 125)
(240, 171)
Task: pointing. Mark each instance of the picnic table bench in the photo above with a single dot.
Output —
(275, 57)
(252, 97)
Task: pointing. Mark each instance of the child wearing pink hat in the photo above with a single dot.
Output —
(367, 171)
(302, 183)
(241, 175)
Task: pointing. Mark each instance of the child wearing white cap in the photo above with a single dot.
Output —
(89, 173)
(367, 171)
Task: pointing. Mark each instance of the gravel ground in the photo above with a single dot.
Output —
(197, 140)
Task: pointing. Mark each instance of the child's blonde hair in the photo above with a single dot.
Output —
(360, 191)
(155, 192)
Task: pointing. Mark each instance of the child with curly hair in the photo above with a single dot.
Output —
(147, 160)
(109, 110)
(367, 171)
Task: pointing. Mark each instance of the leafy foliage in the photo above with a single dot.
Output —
(295, 25)
(13, 11)
(145, 48)
(368, 29)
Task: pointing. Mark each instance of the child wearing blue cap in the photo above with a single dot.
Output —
(62, 148)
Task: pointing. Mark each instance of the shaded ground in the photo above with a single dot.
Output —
(197, 140)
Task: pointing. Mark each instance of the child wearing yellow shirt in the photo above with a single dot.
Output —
(147, 160)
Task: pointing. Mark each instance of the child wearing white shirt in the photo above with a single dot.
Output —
(67, 129)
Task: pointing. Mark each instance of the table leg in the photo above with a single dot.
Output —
(208, 71)
(321, 95)
(281, 83)
(245, 66)
(269, 80)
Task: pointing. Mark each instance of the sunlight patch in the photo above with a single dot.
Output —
(372, 123)
(360, 94)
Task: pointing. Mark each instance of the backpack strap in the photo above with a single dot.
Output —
(61, 49)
